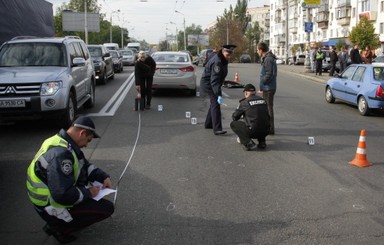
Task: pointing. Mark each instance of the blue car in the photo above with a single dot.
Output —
(359, 84)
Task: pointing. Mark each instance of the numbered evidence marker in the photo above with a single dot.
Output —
(187, 114)
(194, 120)
(160, 107)
(311, 140)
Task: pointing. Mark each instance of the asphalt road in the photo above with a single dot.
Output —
(180, 184)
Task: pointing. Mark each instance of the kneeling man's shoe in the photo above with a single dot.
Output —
(250, 146)
(262, 145)
(60, 237)
(220, 132)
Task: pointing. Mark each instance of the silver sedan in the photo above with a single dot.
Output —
(174, 70)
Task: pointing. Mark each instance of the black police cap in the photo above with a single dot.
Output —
(86, 123)
(229, 48)
(249, 87)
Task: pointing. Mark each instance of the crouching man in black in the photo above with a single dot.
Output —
(255, 124)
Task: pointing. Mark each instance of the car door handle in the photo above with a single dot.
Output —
(345, 83)
(358, 86)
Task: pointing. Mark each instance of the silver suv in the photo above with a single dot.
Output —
(45, 77)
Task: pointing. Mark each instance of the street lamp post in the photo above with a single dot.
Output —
(122, 32)
(110, 29)
(185, 39)
(177, 45)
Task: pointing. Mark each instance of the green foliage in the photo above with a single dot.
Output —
(364, 34)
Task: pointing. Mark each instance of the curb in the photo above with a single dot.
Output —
(301, 71)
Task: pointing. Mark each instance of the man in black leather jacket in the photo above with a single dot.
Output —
(255, 124)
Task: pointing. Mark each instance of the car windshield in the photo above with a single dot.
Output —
(126, 52)
(170, 57)
(114, 54)
(95, 51)
(32, 54)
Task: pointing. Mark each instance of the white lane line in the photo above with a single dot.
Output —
(113, 104)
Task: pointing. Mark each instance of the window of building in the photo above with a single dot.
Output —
(365, 6)
(381, 28)
(382, 6)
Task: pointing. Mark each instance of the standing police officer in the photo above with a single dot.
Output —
(58, 179)
(255, 124)
(211, 81)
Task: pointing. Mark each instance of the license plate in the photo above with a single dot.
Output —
(168, 71)
(12, 103)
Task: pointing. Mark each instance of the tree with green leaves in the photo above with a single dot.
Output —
(364, 34)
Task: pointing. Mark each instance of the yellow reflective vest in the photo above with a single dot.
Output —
(38, 191)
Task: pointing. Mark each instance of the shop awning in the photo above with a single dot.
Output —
(332, 42)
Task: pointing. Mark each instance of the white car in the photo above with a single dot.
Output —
(174, 70)
(128, 57)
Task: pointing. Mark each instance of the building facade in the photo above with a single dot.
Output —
(332, 21)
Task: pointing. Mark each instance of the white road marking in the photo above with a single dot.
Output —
(113, 104)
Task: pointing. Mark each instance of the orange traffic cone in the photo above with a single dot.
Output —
(361, 156)
(237, 77)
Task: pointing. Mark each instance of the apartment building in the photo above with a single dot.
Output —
(332, 21)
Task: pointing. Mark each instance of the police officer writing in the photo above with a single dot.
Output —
(255, 124)
(211, 81)
(58, 182)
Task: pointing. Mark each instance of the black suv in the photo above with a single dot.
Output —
(42, 77)
(102, 62)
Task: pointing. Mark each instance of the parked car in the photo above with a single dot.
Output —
(174, 70)
(245, 58)
(203, 57)
(378, 59)
(361, 85)
(45, 77)
(102, 62)
(117, 59)
(128, 57)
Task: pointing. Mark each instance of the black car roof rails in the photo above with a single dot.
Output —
(23, 37)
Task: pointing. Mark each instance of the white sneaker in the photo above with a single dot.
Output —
(238, 140)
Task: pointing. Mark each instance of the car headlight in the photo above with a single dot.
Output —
(50, 88)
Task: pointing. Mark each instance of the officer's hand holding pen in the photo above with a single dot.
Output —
(107, 183)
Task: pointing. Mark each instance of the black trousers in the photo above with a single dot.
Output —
(213, 119)
(245, 134)
(84, 214)
(268, 97)
(148, 89)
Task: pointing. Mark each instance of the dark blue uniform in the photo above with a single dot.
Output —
(211, 81)
(255, 124)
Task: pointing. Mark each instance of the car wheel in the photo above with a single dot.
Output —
(113, 75)
(92, 98)
(70, 112)
(192, 92)
(362, 105)
(329, 96)
(121, 68)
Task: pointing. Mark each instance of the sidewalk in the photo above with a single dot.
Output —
(300, 70)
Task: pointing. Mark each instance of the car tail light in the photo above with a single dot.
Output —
(188, 68)
(379, 91)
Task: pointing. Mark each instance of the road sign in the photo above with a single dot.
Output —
(311, 3)
(308, 26)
